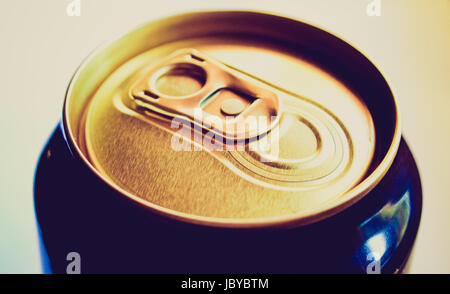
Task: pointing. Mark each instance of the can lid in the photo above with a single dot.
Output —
(234, 119)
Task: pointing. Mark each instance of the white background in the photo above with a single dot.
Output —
(40, 48)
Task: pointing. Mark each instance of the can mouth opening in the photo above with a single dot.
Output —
(322, 48)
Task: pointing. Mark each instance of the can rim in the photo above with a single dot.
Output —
(314, 215)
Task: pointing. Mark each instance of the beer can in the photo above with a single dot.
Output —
(228, 142)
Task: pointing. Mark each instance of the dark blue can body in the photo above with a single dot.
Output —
(77, 212)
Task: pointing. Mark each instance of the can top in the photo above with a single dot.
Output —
(234, 118)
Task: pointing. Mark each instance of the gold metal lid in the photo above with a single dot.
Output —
(160, 120)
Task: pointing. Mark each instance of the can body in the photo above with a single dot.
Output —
(125, 238)
(78, 212)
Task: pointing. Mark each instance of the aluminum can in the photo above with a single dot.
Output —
(228, 142)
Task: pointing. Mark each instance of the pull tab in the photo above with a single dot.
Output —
(218, 98)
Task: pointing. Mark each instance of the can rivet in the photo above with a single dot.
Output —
(232, 106)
